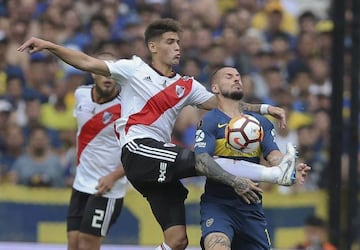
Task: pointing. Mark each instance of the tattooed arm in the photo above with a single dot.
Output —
(245, 188)
(276, 112)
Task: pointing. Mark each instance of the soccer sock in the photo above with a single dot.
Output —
(250, 170)
(163, 246)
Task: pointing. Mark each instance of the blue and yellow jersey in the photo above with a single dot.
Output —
(210, 138)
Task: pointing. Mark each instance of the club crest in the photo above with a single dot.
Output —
(107, 117)
(180, 91)
(209, 222)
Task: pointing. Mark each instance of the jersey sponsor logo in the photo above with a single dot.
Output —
(200, 145)
(106, 117)
(162, 170)
(221, 125)
(209, 222)
(180, 91)
(199, 136)
(147, 78)
(169, 145)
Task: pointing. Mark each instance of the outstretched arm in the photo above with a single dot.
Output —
(276, 112)
(75, 58)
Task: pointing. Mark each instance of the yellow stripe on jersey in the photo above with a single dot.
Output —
(222, 149)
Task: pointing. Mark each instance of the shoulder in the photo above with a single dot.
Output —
(83, 88)
(211, 119)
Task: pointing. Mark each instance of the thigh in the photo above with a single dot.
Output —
(150, 161)
(167, 203)
(76, 209)
(99, 214)
(252, 232)
(215, 218)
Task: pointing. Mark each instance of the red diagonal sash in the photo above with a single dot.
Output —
(93, 127)
(160, 102)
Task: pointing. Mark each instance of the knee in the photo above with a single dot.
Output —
(180, 243)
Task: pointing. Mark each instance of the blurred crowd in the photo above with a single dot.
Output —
(282, 49)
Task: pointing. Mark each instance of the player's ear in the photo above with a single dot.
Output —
(214, 89)
(152, 46)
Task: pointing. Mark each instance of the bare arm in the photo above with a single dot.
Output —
(245, 188)
(209, 104)
(75, 58)
(107, 182)
(276, 112)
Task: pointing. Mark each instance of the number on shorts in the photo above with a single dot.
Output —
(97, 218)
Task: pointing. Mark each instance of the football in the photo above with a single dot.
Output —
(244, 133)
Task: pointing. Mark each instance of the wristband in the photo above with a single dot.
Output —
(264, 109)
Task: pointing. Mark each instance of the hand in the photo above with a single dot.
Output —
(33, 45)
(248, 190)
(104, 185)
(278, 113)
(301, 172)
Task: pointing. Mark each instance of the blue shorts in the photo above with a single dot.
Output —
(246, 228)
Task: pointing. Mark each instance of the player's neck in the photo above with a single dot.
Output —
(230, 107)
(99, 98)
(162, 69)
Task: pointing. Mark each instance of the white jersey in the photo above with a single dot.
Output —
(98, 150)
(151, 101)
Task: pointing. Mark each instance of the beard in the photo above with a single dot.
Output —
(233, 95)
(104, 93)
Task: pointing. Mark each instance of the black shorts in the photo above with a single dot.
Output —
(92, 214)
(155, 168)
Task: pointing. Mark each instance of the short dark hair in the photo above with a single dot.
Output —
(315, 221)
(161, 26)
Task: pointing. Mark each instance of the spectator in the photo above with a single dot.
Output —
(6, 68)
(307, 22)
(15, 95)
(14, 148)
(33, 120)
(5, 111)
(38, 79)
(39, 166)
(315, 235)
(57, 114)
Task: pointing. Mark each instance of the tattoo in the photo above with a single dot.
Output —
(206, 166)
(249, 107)
(274, 160)
(213, 241)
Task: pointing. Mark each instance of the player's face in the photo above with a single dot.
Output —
(166, 49)
(105, 87)
(229, 83)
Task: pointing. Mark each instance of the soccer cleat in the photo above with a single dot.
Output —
(287, 166)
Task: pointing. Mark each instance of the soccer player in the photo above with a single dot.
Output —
(226, 221)
(152, 96)
(99, 186)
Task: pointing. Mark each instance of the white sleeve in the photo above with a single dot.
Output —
(199, 94)
(77, 99)
(123, 69)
